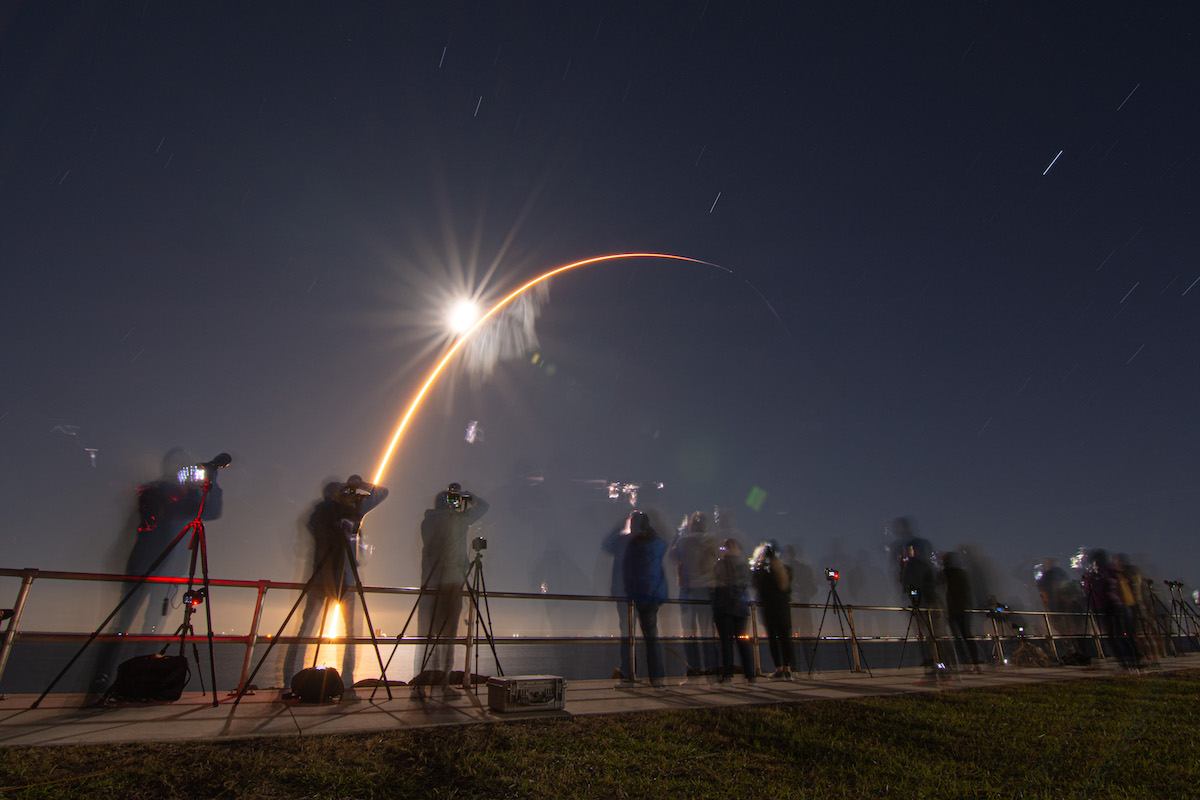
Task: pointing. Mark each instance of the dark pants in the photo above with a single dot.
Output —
(960, 628)
(697, 621)
(777, 619)
(647, 614)
(317, 606)
(437, 618)
(730, 629)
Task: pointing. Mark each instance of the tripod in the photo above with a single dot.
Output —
(1182, 614)
(475, 587)
(839, 611)
(192, 598)
(351, 559)
(914, 610)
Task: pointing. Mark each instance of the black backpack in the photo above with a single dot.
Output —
(317, 685)
(149, 679)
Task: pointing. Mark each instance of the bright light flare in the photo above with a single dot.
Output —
(333, 622)
(462, 316)
(437, 370)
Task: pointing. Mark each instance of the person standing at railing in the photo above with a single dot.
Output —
(444, 563)
(335, 524)
(773, 583)
(958, 605)
(646, 587)
(731, 608)
(919, 587)
(695, 552)
(164, 507)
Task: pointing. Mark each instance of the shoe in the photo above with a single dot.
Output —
(417, 693)
(450, 693)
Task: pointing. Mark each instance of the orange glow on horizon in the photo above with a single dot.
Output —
(437, 370)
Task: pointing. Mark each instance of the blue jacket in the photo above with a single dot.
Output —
(645, 580)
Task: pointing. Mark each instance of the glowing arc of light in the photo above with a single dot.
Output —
(437, 370)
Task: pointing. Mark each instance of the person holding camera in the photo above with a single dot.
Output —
(773, 582)
(334, 524)
(646, 587)
(444, 563)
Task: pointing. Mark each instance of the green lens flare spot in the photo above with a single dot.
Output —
(756, 498)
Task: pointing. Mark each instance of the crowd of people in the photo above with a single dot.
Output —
(719, 586)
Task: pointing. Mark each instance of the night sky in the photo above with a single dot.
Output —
(960, 241)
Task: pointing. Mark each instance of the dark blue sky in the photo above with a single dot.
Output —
(222, 227)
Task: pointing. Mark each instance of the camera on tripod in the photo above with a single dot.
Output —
(195, 598)
(914, 595)
(199, 473)
(1174, 584)
(478, 543)
(831, 575)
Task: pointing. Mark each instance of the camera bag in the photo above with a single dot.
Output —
(150, 679)
(317, 685)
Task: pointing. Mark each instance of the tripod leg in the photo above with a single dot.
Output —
(140, 582)
(911, 614)
(812, 661)
(303, 592)
(362, 596)
(853, 636)
(212, 659)
(487, 628)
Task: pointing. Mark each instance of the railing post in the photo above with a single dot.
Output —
(1050, 636)
(14, 622)
(252, 638)
(754, 640)
(630, 641)
(857, 667)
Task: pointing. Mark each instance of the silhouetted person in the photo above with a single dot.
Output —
(695, 551)
(444, 565)
(646, 586)
(1104, 600)
(1062, 595)
(164, 507)
(773, 584)
(334, 524)
(614, 544)
(1129, 622)
(804, 588)
(731, 608)
(918, 586)
(958, 604)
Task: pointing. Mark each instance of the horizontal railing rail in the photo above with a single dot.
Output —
(1172, 625)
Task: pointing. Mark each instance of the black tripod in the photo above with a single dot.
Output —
(192, 598)
(348, 543)
(475, 586)
(477, 589)
(839, 611)
(1182, 614)
(914, 610)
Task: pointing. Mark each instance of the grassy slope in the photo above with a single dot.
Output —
(1100, 738)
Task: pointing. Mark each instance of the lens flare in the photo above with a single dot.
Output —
(462, 316)
(462, 340)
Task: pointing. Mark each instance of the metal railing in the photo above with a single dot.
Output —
(1174, 628)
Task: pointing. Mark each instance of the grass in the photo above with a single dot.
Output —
(1121, 737)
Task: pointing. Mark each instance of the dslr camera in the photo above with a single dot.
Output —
(458, 500)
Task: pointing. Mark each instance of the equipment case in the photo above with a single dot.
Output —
(526, 693)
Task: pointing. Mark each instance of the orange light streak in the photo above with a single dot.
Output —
(437, 370)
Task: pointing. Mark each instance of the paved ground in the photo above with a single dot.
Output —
(63, 720)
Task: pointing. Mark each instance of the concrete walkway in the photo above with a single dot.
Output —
(62, 719)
